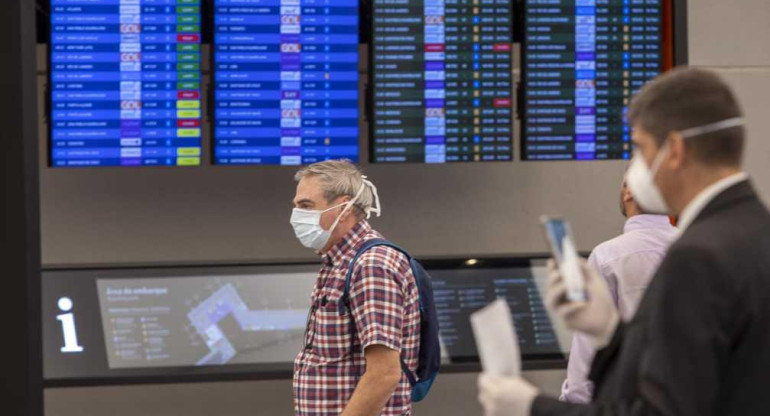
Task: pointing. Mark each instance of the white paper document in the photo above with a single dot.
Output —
(496, 340)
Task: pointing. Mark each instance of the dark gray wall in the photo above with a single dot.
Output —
(21, 385)
(453, 394)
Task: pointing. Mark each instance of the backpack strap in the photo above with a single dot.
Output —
(345, 299)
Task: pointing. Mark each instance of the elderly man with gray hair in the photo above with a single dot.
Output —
(351, 361)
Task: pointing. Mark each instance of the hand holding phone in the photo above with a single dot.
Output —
(559, 238)
(596, 318)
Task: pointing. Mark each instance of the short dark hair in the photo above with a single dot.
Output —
(685, 98)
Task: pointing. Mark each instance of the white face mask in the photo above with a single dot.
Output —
(307, 223)
(641, 182)
(641, 179)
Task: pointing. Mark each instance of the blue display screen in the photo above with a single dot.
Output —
(125, 82)
(285, 81)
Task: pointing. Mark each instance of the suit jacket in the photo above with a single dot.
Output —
(699, 344)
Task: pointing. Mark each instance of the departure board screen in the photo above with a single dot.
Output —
(458, 293)
(125, 83)
(442, 81)
(584, 60)
(286, 81)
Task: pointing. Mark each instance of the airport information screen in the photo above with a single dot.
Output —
(458, 293)
(285, 81)
(126, 323)
(125, 83)
(442, 74)
(145, 322)
(583, 61)
(199, 321)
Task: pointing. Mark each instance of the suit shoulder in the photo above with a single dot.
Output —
(735, 230)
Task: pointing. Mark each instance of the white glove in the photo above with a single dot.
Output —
(505, 396)
(597, 317)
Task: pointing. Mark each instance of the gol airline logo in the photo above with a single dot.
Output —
(434, 112)
(290, 113)
(290, 20)
(130, 28)
(290, 47)
(130, 57)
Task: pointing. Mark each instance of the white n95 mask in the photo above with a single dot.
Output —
(641, 179)
(641, 182)
(307, 223)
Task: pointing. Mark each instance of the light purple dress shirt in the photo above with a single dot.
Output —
(627, 263)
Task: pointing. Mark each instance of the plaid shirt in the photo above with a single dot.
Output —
(384, 303)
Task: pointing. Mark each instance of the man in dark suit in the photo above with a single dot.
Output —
(699, 344)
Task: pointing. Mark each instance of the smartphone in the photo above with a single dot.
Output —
(559, 237)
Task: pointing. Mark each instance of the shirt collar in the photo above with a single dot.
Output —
(694, 208)
(644, 221)
(349, 242)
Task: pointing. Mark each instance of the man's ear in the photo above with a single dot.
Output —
(677, 151)
(627, 196)
(350, 210)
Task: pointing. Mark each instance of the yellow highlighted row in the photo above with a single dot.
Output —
(188, 161)
(188, 104)
(188, 132)
(188, 114)
(188, 151)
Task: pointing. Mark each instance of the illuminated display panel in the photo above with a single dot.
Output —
(125, 83)
(583, 61)
(286, 81)
(442, 74)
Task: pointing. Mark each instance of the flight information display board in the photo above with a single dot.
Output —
(458, 293)
(583, 61)
(286, 81)
(442, 86)
(125, 83)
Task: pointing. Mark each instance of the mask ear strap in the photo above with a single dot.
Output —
(662, 153)
(710, 128)
(349, 204)
(378, 209)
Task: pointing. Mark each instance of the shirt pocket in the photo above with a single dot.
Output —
(333, 332)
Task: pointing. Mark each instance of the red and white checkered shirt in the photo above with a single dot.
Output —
(385, 308)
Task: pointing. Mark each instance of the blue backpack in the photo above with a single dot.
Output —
(429, 358)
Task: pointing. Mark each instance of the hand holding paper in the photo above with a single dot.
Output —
(502, 391)
(496, 340)
(506, 396)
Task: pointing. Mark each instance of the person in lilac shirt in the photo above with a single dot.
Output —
(627, 263)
